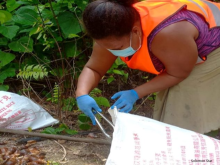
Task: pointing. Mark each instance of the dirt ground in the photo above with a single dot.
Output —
(63, 152)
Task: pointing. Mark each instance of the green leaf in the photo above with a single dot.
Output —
(83, 118)
(47, 14)
(6, 58)
(35, 30)
(150, 98)
(71, 132)
(9, 31)
(4, 16)
(71, 50)
(59, 130)
(95, 92)
(81, 3)
(9, 72)
(72, 36)
(24, 44)
(118, 61)
(69, 24)
(4, 87)
(63, 126)
(3, 41)
(25, 16)
(102, 101)
(29, 129)
(25, 30)
(12, 5)
(65, 1)
(84, 127)
(49, 130)
(120, 72)
(67, 108)
(110, 79)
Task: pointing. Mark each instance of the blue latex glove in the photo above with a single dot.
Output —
(126, 100)
(86, 104)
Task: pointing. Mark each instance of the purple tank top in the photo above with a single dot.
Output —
(207, 41)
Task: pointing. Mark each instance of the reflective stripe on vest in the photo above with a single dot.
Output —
(199, 7)
(215, 11)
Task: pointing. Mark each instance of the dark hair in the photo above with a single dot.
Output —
(104, 18)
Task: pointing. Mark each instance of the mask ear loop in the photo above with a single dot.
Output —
(130, 39)
(139, 40)
(140, 43)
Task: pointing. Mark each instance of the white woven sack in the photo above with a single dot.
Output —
(143, 141)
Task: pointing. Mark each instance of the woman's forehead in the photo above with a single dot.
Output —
(112, 41)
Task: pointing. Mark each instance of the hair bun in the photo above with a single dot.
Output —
(125, 2)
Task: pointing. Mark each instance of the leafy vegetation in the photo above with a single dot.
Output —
(43, 42)
(62, 129)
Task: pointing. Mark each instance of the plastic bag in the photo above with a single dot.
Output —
(139, 140)
(19, 112)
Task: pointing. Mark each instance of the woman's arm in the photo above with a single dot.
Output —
(99, 63)
(175, 47)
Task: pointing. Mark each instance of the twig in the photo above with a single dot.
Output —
(143, 102)
(50, 136)
(64, 150)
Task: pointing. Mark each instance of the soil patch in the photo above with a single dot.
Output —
(62, 151)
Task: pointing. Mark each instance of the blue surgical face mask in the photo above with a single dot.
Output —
(126, 52)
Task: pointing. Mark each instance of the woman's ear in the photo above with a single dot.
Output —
(137, 28)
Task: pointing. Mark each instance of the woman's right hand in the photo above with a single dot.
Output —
(86, 104)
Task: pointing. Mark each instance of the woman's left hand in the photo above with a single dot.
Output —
(126, 100)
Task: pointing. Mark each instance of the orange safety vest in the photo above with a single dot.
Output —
(154, 12)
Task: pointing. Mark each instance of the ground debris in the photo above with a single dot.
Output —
(24, 155)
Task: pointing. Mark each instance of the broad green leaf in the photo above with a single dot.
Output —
(83, 118)
(9, 31)
(84, 127)
(3, 41)
(114, 66)
(24, 44)
(35, 30)
(63, 126)
(25, 30)
(150, 98)
(81, 3)
(28, 2)
(6, 58)
(49, 130)
(9, 72)
(125, 78)
(47, 14)
(25, 16)
(4, 87)
(110, 79)
(12, 5)
(71, 132)
(102, 101)
(72, 36)
(59, 130)
(4, 16)
(65, 1)
(69, 24)
(95, 92)
(23, 3)
(120, 72)
(71, 50)
(118, 61)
